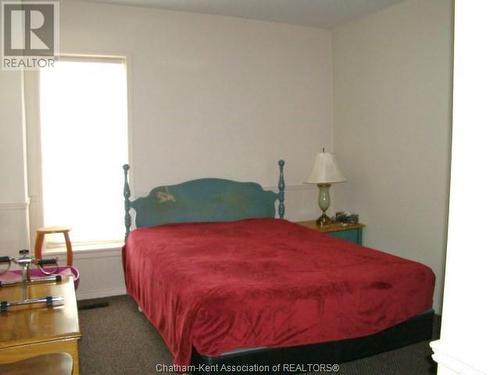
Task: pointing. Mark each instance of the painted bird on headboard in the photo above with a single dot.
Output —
(164, 196)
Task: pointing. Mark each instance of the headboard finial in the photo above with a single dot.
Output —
(126, 196)
(281, 188)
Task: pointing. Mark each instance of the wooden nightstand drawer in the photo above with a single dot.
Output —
(349, 232)
(353, 235)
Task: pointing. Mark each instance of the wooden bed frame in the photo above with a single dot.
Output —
(205, 199)
(213, 199)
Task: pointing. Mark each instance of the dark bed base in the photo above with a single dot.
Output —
(409, 332)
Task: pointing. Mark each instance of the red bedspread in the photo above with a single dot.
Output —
(266, 283)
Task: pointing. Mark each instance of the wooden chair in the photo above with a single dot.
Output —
(45, 364)
(40, 235)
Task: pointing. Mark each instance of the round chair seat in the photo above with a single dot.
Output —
(50, 230)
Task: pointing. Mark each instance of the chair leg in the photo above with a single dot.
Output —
(69, 250)
(39, 244)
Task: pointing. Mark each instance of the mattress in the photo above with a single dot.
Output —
(263, 283)
(264, 348)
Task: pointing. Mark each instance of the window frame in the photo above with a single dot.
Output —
(33, 172)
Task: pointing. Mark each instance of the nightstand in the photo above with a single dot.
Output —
(350, 232)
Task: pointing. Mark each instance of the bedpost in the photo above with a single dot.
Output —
(126, 196)
(281, 194)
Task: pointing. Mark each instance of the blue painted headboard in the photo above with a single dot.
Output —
(205, 199)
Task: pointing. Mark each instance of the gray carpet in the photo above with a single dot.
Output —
(118, 340)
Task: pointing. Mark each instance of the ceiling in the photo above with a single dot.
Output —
(314, 13)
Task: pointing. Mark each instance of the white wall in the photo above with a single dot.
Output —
(13, 199)
(212, 95)
(470, 329)
(209, 96)
(392, 125)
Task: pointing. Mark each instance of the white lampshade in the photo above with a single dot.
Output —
(325, 170)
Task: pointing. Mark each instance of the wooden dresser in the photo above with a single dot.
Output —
(28, 331)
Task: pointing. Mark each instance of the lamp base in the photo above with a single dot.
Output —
(323, 220)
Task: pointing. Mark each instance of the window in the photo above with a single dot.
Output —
(83, 143)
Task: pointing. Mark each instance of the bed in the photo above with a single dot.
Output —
(232, 289)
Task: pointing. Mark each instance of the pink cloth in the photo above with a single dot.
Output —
(65, 271)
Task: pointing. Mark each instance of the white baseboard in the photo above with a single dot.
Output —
(91, 294)
(449, 363)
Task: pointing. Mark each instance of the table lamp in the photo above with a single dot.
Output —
(324, 173)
